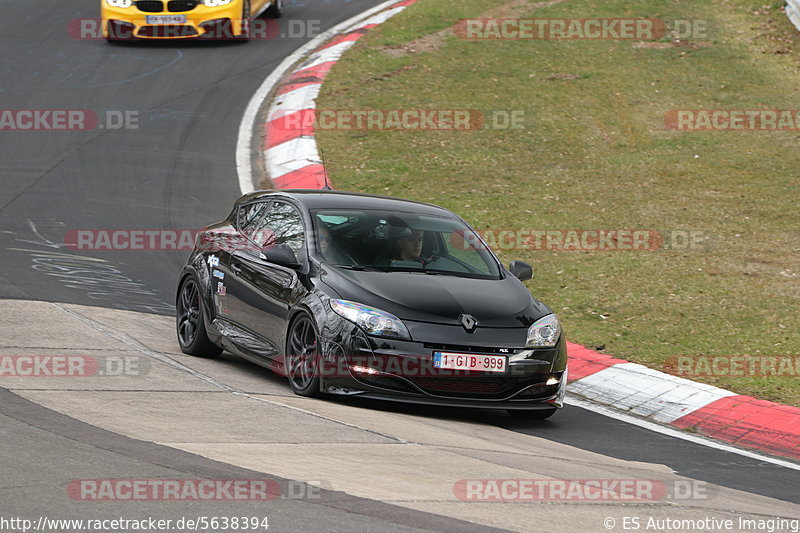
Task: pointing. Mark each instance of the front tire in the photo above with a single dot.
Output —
(275, 11)
(190, 321)
(524, 414)
(303, 357)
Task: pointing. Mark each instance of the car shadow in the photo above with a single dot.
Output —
(488, 416)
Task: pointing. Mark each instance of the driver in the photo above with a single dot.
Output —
(409, 245)
(330, 250)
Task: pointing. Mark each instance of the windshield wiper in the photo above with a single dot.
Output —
(441, 273)
(360, 268)
(425, 271)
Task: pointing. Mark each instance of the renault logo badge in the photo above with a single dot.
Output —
(468, 322)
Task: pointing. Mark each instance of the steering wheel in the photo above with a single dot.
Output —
(434, 256)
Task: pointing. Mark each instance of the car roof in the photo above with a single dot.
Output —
(324, 199)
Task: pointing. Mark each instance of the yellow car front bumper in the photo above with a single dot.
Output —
(199, 21)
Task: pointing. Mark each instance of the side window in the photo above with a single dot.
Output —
(282, 225)
(248, 215)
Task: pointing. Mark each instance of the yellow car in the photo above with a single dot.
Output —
(181, 19)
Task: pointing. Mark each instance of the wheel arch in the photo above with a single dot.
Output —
(201, 277)
(294, 313)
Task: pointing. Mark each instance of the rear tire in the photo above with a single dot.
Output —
(303, 358)
(190, 321)
(275, 11)
(532, 414)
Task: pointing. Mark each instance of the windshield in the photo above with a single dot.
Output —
(401, 242)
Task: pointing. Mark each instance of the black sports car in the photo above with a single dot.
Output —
(355, 294)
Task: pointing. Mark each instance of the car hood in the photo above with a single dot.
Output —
(504, 303)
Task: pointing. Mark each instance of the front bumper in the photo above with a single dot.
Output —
(201, 21)
(402, 371)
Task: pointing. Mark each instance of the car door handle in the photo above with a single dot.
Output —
(236, 268)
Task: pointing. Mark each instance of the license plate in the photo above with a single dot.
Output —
(468, 361)
(166, 19)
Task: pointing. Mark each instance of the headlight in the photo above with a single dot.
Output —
(544, 333)
(373, 321)
(120, 3)
(216, 3)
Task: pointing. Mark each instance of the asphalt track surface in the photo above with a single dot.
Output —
(177, 171)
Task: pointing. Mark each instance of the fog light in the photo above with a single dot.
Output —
(553, 381)
(364, 370)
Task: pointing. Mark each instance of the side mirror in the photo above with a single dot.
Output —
(280, 254)
(521, 270)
